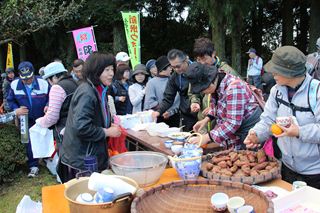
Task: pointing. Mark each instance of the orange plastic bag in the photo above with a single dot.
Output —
(117, 145)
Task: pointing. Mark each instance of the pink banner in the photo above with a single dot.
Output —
(85, 42)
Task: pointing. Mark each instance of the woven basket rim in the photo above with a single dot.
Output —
(182, 183)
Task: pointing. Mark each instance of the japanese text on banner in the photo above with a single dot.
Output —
(85, 42)
(132, 28)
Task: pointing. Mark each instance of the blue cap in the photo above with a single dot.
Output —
(25, 70)
(252, 50)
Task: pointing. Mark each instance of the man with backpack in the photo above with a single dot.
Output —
(313, 62)
(232, 104)
(296, 95)
(255, 69)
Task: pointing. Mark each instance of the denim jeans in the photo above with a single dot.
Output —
(255, 80)
(32, 162)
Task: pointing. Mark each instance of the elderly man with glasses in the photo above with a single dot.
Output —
(178, 83)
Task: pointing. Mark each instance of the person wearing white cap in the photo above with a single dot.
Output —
(122, 58)
(63, 87)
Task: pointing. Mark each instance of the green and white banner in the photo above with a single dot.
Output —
(131, 22)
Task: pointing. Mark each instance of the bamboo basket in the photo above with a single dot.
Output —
(273, 174)
(194, 196)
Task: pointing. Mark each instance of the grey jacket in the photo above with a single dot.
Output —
(302, 154)
(154, 95)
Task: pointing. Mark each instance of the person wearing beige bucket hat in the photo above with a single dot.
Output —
(137, 90)
(296, 96)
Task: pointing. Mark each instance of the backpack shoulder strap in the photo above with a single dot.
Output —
(312, 94)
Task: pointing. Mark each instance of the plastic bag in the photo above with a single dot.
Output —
(117, 145)
(27, 205)
(41, 141)
(268, 147)
(52, 163)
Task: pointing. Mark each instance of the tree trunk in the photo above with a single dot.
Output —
(287, 22)
(22, 52)
(218, 37)
(2, 60)
(302, 40)
(257, 25)
(314, 25)
(119, 38)
(236, 41)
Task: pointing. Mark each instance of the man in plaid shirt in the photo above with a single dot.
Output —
(232, 105)
(5, 118)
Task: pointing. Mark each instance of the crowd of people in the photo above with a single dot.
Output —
(205, 95)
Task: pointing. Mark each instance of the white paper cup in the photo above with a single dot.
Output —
(284, 121)
(219, 201)
(298, 185)
(235, 203)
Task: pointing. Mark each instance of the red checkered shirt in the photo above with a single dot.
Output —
(235, 103)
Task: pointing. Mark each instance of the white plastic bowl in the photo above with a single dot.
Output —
(142, 166)
(219, 201)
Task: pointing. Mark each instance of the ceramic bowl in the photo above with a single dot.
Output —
(176, 149)
(219, 201)
(168, 143)
(235, 203)
(245, 209)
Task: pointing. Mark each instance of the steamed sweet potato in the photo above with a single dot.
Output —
(209, 166)
(246, 170)
(239, 163)
(251, 157)
(239, 173)
(222, 164)
(244, 158)
(226, 172)
(233, 156)
(254, 173)
(233, 169)
(263, 172)
(268, 168)
(261, 155)
(216, 160)
(216, 169)
(273, 164)
(260, 166)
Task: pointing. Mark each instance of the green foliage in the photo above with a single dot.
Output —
(12, 152)
(22, 17)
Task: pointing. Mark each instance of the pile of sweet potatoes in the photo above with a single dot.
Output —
(239, 164)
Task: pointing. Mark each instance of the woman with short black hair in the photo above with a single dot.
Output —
(89, 121)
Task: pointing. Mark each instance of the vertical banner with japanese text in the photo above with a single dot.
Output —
(9, 63)
(85, 42)
(131, 22)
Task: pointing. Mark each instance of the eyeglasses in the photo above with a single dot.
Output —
(178, 66)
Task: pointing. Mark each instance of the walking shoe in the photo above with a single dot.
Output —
(33, 172)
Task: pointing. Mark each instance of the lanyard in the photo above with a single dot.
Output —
(104, 102)
(29, 91)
